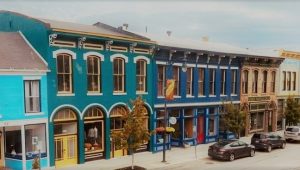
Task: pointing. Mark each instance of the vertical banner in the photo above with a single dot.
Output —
(170, 89)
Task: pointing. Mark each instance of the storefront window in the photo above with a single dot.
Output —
(13, 143)
(35, 140)
(256, 121)
(160, 123)
(211, 126)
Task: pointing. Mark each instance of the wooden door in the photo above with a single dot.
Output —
(65, 150)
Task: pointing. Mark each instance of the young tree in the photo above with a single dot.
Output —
(234, 119)
(134, 134)
(292, 111)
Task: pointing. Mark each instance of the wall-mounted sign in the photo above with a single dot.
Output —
(172, 120)
(258, 98)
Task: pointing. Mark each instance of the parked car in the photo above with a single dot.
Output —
(267, 141)
(292, 133)
(230, 150)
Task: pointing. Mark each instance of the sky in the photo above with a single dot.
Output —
(257, 25)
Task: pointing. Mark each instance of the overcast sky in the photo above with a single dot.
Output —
(254, 24)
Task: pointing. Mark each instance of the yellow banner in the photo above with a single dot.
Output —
(170, 89)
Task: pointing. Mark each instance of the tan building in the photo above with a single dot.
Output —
(258, 93)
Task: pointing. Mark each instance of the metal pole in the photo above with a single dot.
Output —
(164, 134)
(40, 159)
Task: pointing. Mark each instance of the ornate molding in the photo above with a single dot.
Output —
(108, 44)
(81, 41)
(151, 49)
(51, 38)
(131, 47)
(171, 54)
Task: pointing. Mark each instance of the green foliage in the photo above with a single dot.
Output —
(234, 119)
(292, 111)
(134, 133)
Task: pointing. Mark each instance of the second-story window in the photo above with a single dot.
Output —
(264, 82)
(294, 81)
(212, 83)
(288, 81)
(245, 82)
(254, 81)
(233, 81)
(176, 77)
(223, 81)
(273, 81)
(189, 81)
(93, 74)
(32, 96)
(119, 75)
(201, 82)
(284, 81)
(141, 72)
(64, 73)
(161, 80)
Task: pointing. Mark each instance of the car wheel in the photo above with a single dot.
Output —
(252, 152)
(231, 157)
(283, 145)
(269, 149)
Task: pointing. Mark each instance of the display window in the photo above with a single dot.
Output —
(13, 142)
(35, 140)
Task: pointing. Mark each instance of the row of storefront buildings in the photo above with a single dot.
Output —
(63, 86)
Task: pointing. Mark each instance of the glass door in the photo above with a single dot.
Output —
(65, 150)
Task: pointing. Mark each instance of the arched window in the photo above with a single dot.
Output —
(273, 81)
(116, 122)
(93, 74)
(141, 75)
(64, 73)
(245, 82)
(65, 115)
(264, 83)
(254, 81)
(93, 113)
(119, 75)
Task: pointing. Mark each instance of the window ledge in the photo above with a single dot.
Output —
(212, 96)
(190, 96)
(94, 94)
(233, 94)
(34, 114)
(65, 94)
(141, 92)
(119, 94)
(223, 95)
(202, 96)
(160, 97)
(177, 96)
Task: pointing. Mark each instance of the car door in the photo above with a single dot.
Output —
(273, 140)
(236, 149)
(244, 149)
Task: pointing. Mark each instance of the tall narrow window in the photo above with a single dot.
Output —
(189, 81)
(212, 78)
(284, 80)
(288, 81)
(141, 73)
(294, 81)
(233, 81)
(264, 82)
(119, 75)
(254, 81)
(245, 82)
(176, 77)
(32, 96)
(201, 82)
(93, 74)
(223, 81)
(64, 73)
(273, 81)
(161, 80)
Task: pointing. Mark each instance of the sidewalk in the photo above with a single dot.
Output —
(150, 160)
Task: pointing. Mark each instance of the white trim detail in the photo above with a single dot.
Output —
(141, 57)
(141, 92)
(161, 62)
(191, 65)
(114, 105)
(177, 64)
(94, 94)
(22, 72)
(234, 68)
(119, 94)
(112, 57)
(149, 107)
(192, 104)
(212, 66)
(64, 106)
(59, 51)
(201, 66)
(65, 94)
(29, 44)
(32, 78)
(23, 122)
(92, 105)
(34, 114)
(101, 56)
(224, 67)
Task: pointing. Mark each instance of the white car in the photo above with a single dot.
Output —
(292, 133)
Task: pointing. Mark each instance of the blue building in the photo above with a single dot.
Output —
(23, 103)
(206, 75)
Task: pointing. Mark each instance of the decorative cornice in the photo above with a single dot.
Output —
(51, 38)
(80, 41)
(108, 44)
(131, 47)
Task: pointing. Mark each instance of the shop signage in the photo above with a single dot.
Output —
(258, 98)
(172, 120)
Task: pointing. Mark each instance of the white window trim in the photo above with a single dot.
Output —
(224, 67)
(119, 94)
(112, 57)
(190, 96)
(191, 65)
(201, 66)
(94, 94)
(161, 63)
(212, 66)
(177, 64)
(92, 53)
(65, 94)
(32, 78)
(141, 92)
(234, 68)
(34, 114)
(59, 51)
(140, 57)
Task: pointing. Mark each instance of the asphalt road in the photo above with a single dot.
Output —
(277, 159)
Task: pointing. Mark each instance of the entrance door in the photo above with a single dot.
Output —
(1, 149)
(65, 150)
(200, 129)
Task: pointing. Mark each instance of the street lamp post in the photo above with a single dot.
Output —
(164, 133)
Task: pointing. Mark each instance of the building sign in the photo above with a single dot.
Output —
(258, 106)
(258, 98)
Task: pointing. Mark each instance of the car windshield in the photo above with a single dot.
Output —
(292, 129)
(259, 136)
(222, 143)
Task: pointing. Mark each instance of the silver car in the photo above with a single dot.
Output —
(292, 133)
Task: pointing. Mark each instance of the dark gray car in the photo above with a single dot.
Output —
(267, 141)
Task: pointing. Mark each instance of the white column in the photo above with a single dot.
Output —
(47, 142)
(23, 147)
